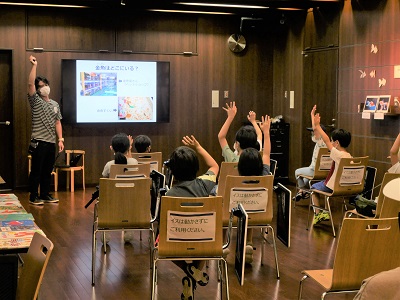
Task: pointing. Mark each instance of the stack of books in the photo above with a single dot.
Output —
(17, 227)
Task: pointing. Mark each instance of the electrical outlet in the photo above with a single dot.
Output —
(226, 94)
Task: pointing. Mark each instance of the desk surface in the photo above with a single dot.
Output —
(17, 227)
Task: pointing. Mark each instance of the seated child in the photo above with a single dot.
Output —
(184, 165)
(245, 137)
(340, 140)
(121, 145)
(309, 171)
(143, 144)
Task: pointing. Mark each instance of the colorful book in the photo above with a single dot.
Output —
(11, 210)
(6, 235)
(8, 197)
(16, 217)
(19, 228)
(15, 243)
(17, 223)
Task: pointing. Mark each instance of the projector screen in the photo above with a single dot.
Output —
(106, 91)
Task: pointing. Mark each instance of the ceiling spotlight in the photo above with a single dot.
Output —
(122, 2)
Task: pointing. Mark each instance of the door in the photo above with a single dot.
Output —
(6, 113)
(320, 88)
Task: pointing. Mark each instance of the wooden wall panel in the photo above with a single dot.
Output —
(160, 33)
(321, 28)
(72, 30)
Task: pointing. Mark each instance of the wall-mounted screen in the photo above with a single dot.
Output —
(109, 91)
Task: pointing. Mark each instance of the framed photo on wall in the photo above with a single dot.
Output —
(383, 104)
(371, 103)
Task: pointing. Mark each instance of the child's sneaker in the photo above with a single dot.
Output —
(128, 236)
(198, 275)
(317, 218)
(325, 216)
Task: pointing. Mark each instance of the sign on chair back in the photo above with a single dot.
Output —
(190, 229)
(255, 194)
(129, 171)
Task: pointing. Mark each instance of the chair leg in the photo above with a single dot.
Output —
(93, 255)
(153, 285)
(331, 218)
(226, 279)
(56, 180)
(275, 252)
(301, 286)
(308, 214)
(72, 181)
(83, 179)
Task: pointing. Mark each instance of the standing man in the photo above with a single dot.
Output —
(46, 130)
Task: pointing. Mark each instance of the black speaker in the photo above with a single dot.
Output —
(8, 277)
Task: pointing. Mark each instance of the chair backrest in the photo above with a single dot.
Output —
(190, 226)
(35, 263)
(255, 194)
(391, 201)
(365, 248)
(124, 203)
(322, 164)
(350, 176)
(75, 158)
(386, 178)
(128, 170)
(227, 168)
(153, 158)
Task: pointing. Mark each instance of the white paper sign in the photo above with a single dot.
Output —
(366, 115)
(254, 200)
(191, 227)
(352, 175)
(325, 163)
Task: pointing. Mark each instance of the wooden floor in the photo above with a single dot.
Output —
(124, 272)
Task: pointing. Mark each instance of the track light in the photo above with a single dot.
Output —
(123, 2)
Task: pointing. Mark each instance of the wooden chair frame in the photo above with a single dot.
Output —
(258, 220)
(365, 248)
(150, 157)
(72, 170)
(35, 264)
(168, 249)
(341, 188)
(321, 169)
(123, 205)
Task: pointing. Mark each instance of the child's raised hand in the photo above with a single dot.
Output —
(265, 123)
(317, 119)
(251, 117)
(190, 141)
(231, 109)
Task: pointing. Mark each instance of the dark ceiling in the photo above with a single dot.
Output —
(135, 5)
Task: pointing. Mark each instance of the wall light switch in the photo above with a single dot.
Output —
(397, 71)
(226, 94)
(291, 105)
(215, 98)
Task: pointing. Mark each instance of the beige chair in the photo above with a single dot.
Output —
(52, 173)
(35, 263)
(349, 181)
(391, 201)
(227, 168)
(322, 166)
(123, 205)
(174, 244)
(365, 248)
(127, 171)
(153, 158)
(386, 179)
(255, 194)
(72, 169)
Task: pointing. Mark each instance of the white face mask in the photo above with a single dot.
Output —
(44, 91)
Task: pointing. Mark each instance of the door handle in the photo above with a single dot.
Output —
(5, 123)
